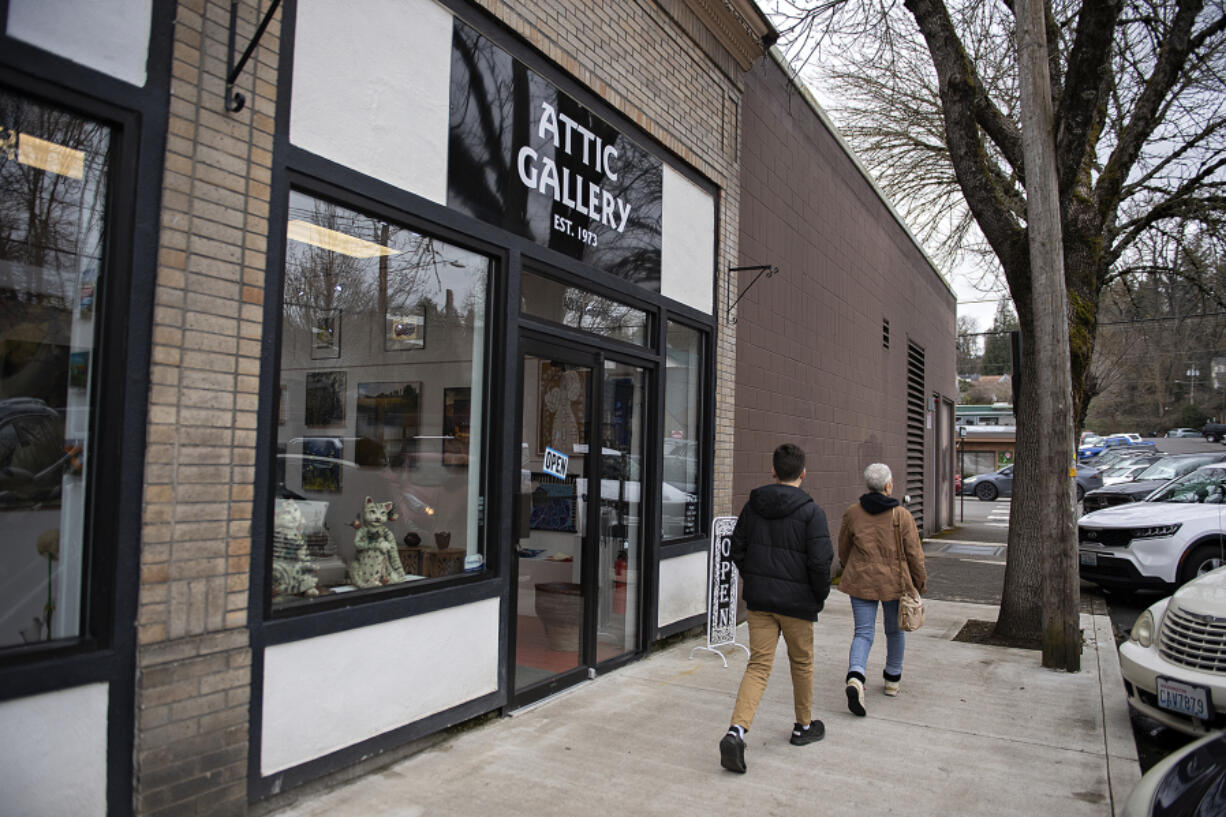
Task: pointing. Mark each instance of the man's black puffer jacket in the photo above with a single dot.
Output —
(781, 546)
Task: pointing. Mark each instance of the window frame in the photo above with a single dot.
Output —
(708, 339)
(102, 582)
(386, 603)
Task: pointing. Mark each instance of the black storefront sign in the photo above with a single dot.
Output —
(524, 156)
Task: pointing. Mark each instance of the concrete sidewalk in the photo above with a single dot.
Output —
(977, 730)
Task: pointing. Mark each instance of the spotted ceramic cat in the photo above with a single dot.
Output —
(377, 562)
(293, 572)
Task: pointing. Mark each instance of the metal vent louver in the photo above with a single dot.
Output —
(1193, 640)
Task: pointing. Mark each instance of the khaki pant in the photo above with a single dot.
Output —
(764, 630)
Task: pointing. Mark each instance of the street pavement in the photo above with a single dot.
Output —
(976, 730)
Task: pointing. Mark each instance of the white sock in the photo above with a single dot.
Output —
(738, 730)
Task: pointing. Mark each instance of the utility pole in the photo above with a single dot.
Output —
(1050, 345)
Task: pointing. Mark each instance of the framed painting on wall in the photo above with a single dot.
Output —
(553, 504)
(457, 431)
(321, 465)
(325, 334)
(325, 398)
(562, 413)
(406, 328)
(389, 413)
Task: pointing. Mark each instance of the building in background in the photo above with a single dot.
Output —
(395, 384)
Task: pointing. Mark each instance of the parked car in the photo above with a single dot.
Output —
(993, 484)
(1183, 432)
(1151, 479)
(1172, 537)
(1213, 432)
(1111, 458)
(1174, 661)
(1123, 473)
(1189, 782)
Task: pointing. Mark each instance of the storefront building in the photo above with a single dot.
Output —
(354, 385)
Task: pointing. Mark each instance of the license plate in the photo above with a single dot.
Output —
(1089, 559)
(1186, 699)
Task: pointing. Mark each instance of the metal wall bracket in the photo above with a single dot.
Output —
(235, 100)
(763, 269)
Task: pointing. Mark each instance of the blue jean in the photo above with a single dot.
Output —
(865, 613)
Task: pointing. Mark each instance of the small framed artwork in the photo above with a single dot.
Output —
(325, 334)
(325, 398)
(78, 369)
(406, 328)
(321, 465)
(388, 414)
(553, 504)
(457, 431)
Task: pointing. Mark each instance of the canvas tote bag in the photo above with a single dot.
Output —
(910, 604)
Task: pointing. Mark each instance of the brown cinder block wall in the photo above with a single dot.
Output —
(810, 362)
(194, 659)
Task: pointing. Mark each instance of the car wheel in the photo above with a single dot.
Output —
(1199, 561)
(1081, 492)
(986, 491)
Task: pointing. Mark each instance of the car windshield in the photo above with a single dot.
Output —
(1205, 485)
(1169, 469)
(1122, 470)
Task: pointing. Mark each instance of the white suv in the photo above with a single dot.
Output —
(1174, 661)
(1173, 536)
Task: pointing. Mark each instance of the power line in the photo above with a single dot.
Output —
(1131, 322)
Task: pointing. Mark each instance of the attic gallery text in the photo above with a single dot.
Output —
(541, 173)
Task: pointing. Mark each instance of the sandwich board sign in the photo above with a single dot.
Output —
(722, 583)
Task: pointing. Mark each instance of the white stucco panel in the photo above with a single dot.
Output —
(111, 36)
(326, 693)
(687, 262)
(54, 760)
(683, 587)
(371, 89)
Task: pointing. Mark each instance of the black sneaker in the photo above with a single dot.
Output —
(804, 735)
(732, 753)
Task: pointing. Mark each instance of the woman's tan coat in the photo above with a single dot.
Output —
(868, 551)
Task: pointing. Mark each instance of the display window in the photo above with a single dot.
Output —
(682, 432)
(54, 166)
(379, 464)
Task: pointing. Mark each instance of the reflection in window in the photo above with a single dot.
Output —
(379, 461)
(53, 170)
(682, 434)
(581, 309)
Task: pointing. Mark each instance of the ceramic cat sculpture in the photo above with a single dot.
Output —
(377, 562)
(293, 572)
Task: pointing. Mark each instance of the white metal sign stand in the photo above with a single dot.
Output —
(722, 581)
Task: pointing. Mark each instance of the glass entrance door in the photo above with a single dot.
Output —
(553, 520)
(579, 516)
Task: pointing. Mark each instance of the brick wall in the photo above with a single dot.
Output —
(643, 63)
(194, 659)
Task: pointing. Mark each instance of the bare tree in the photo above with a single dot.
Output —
(932, 103)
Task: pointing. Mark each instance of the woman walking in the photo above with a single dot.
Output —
(880, 549)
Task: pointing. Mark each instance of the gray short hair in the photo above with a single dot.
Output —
(877, 476)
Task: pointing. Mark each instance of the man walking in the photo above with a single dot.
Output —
(781, 547)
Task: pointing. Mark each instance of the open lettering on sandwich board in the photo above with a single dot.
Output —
(722, 581)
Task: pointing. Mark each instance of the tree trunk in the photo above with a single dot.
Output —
(1052, 387)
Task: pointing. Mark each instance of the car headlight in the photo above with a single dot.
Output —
(1143, 630)
(1157, 531)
